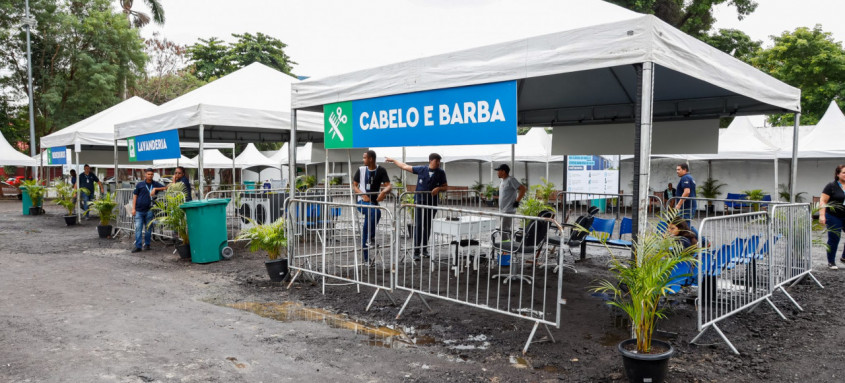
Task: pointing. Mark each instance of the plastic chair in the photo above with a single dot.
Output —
(625, 227)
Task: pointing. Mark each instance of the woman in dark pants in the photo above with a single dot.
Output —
(832, 214)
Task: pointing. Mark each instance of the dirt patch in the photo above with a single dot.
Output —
(457, 343)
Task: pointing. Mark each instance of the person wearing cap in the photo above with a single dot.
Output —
(142, 202)
(511, 192)
(86, 181)
(431, 180)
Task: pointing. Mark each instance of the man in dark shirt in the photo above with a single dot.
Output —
(431, 180)
(86, 182)
(686, 203)
(142, 201)
(370, 193)
(180, 175)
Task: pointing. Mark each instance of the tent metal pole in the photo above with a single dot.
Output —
(292, 155)
(200, 162)
(525, 165)
(479, 172)
(78, 196)
(404, 155)
(776, 196)
(513, 157)
(115, 166)
(793, 176)
(642, 141)
(326, 178)
(233, 165)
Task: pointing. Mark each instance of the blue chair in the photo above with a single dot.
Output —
(601, 225)
(625, 227)
(661, 227)
(735, 205)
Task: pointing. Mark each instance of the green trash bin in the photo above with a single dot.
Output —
(26, 202)
(207, 229)
(249, 185)
(600, 203)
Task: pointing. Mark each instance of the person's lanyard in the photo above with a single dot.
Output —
(149, 188)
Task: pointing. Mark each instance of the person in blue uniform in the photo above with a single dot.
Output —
(431, 180)
(372, 184)
(86, 181)
(142, 202)
(180, 175)
(685, 198)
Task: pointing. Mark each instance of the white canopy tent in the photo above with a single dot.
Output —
(634, 72)
(172, 163)
(251, 104)
(11, 157)
(213, 159)
(827, 140)
(252, 158)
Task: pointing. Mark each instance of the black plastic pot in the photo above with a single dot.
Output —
(104, 231)
(184, 251)
(70, 220)
(277, 269)
(36, 210)
(645, 367)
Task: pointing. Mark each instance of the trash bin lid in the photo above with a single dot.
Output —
(205, 202)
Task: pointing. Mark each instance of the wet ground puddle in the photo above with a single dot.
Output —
(379, 336)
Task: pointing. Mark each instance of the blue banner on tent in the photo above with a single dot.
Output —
(154, 146)
(468, 115)
(57, 155)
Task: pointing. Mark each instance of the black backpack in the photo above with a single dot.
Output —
(577, 235)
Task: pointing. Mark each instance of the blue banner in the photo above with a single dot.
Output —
(154, 146)
(57, 156)
(469, 115)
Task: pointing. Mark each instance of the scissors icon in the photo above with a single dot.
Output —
(335, 120)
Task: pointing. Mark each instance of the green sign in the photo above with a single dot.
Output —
(131, 146)
(338, 125)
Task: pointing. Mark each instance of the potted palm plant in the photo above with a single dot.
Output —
(169, 215)
(544, 190)
(65, 197)
(754, 195)
(490, 194)
(272, 239)
(711, 188)
(105, 207)
(532, 207)
(36, 195)
(640, 284)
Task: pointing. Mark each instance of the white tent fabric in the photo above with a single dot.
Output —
(251, 158)
(622, 43)
(11, 157)
(739, 141)
(213, 159)
(183, 161)
(827, 139)
(99, 128)
(256, 97)
(280, 156)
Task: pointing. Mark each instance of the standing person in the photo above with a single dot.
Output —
(510, 195)
(370, 193)
(86, 181)
(686, 203)
(669, 193)
(431, 180)
(832, 214)
(142, 201)
(73, 178)
(180, 175)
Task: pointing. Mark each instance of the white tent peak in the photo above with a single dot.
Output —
(213, 159)
(251, 157)
(742, 136)
(828, 137)
(11, 157)
(99, 128)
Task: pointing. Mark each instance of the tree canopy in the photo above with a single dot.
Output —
(84, 54)
(212, 58)
(809, 59)
(695, 17)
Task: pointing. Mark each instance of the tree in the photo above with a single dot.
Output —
(166, 76)
(212, 58)
(694, 17)
(140, 19)
(83, 56)
(735, 43)
(811, 60)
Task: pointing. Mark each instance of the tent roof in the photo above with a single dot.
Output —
(213, 159)
(251, 157)
(251, 104)
(580, 76)
(11, 157)
(99, 128)
(828, 138)
(183, 161)
(739, 141)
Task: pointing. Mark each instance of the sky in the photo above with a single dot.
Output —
(329, 37)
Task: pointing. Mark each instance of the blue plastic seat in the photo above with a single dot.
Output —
(625, 227)
(601, 225)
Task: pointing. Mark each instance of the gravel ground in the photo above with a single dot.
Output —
(77, 308)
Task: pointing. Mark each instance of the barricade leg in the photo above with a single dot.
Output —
(389, 296)
(411, 295)
(790, 298)
(721, 334)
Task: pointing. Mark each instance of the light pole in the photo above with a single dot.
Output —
(29, 23)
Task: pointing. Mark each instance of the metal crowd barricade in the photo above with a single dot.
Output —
(792, 246)
(463, 257)
(574, 204)
(718, 207)
(250, 207)
(324, 239)
(124, 220)
(735, 268)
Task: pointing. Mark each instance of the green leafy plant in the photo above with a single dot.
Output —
(490, 191)
(754, 195)
(105, 207)
(336, 181)
(397, 182)
(532, 207)
(168, 214)
(711, 188)
(641, 282)
(408, 199)
(783, 193)
(544, 190)
(65, 194)
(305, 182)
(270, 238)
(36, 191)
(477, 186)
